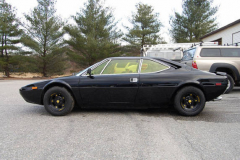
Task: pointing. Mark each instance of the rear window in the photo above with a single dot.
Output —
(210, 52)
(230, 52)
(188, 54)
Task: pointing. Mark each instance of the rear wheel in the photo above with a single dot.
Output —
(189, 101)
(58, 101)
(230, 84)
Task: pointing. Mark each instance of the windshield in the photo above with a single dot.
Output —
(188, 54)
(81, 72)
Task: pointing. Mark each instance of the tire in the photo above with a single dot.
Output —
(58, 101)
(189, 101)
(230, 84)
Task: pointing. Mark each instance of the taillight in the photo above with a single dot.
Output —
(194, 64)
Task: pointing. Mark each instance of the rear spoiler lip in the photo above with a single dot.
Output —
(221, 73)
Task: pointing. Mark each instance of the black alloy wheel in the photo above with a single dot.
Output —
(58, 101)
(189, 101)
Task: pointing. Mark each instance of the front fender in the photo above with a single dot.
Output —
(56, 83)
(59, 83)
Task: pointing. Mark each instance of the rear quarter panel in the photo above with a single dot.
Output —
(159, 88)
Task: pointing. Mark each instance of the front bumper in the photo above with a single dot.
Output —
(31, 96)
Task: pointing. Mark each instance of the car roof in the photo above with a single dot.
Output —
(153, 58)
(126, 57)
(227, 47)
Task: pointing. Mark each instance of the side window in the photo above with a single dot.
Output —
(230, 52)
(149, 66)
(99, 68)
(189, 54)
(210, 52)
(122, 66)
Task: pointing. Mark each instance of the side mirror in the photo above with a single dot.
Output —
(89, 72)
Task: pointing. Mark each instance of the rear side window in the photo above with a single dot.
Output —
(189, 54)
(149, 66)
(210, 52)
(230, 52)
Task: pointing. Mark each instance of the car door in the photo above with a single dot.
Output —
(116, 83)
(155, 84)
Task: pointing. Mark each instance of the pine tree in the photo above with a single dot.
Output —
(44, 37)
(10, 36)
(196, 20)
(95, 36)
(146, 27)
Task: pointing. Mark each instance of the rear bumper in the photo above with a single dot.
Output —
(221, 73)
(212, 91)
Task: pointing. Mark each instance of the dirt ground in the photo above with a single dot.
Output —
(27, 76)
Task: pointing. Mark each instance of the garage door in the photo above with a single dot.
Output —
(236, 37)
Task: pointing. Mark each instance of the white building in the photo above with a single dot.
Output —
(227, 35)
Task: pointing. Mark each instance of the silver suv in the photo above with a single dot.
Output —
(216, 59)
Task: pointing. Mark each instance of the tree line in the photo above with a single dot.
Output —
(37, 44)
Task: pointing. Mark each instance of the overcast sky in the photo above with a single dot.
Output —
(227, 13)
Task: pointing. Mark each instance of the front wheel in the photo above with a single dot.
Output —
(189, 101)
(58, 101)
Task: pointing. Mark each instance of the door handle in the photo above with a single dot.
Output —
(133, 79)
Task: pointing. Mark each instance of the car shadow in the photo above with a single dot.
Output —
(207, 115)
(212, 114)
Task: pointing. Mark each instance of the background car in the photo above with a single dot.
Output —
(215, 59)
(129, 82)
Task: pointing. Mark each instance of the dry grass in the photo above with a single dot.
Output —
(73, 68)
(20, 75)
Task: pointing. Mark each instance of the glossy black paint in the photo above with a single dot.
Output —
(151, 90)
(108, 89)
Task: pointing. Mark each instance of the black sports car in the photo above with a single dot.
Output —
(132, 82)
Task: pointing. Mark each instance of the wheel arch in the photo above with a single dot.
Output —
(192, 84)
(57, 84)
(227, 68)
